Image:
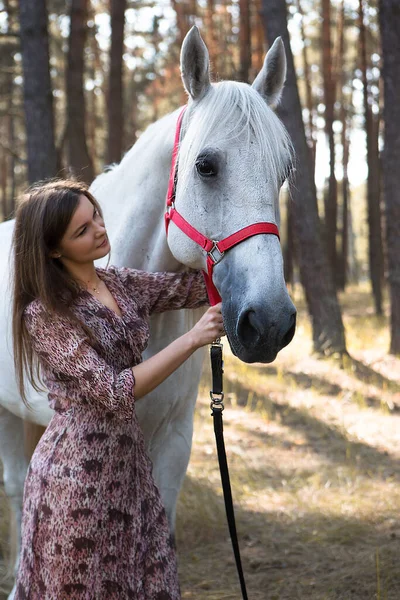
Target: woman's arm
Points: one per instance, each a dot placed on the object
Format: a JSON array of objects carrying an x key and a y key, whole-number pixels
[
  {"x": 162, "y": 291},
  {"x": 150, "y": 373}
]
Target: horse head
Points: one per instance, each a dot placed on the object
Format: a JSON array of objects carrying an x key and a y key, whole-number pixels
[{"x": 234, "y": 155}]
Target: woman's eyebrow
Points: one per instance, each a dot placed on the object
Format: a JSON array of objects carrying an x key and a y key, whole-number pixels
[{"x": 80, "y": 226}]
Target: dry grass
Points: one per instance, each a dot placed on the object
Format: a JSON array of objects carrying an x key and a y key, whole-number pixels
[{"x": 313, "y": 447}]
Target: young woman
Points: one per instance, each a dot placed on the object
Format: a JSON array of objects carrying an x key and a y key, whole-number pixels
[{"x": 94, "y": 526}]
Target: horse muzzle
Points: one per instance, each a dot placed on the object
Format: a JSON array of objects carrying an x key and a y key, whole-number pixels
[{"x": 257, "y": 333}]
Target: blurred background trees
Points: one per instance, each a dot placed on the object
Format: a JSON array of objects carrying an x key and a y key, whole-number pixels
[{"x": 80, "y": 80}]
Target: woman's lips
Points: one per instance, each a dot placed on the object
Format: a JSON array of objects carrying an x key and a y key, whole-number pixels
[{"x": 103, "y": 243}]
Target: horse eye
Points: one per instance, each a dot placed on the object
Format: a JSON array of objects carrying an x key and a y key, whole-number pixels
[{"x": 206, "y": 168}]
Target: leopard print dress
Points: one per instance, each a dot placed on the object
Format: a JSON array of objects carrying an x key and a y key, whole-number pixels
[{"x": 94, "y": 527}]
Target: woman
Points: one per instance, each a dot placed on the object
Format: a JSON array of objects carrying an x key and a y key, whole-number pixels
[{"x": 94, "y": 526}]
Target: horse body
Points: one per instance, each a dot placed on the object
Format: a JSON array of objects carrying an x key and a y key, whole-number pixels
[{"x": 229, "y": 129}]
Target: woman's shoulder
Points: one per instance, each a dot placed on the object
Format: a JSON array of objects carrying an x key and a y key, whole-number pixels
[
  {"x": 121, "y": 273},
  {"x": 34, "y": 307}
]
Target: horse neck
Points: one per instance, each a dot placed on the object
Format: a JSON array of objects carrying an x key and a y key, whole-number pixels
[{"x": 132, "y": 196}]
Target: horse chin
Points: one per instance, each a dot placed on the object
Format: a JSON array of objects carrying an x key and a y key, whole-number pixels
[{"x": 252, "y": 355}]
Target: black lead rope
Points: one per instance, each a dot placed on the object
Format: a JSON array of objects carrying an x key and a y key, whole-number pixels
[{"x": 217, "y": 406}]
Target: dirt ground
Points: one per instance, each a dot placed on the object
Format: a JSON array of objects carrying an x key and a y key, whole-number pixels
[{"x": 313, "y": 448}]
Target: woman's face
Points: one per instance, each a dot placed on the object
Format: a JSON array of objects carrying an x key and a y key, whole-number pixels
[{"x": 85, "y": 233}]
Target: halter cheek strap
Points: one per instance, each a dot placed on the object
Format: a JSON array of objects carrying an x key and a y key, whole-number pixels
[{"x": 215, "y": 249}]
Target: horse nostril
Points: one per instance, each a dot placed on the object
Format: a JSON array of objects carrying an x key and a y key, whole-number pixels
[{"x": 249, "y": 329}]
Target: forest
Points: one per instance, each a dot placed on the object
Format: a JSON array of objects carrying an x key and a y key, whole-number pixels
[{"x": 312, "y": 439}]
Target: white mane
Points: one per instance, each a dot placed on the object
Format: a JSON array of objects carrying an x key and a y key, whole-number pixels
[{"x": 214, "y": 113}]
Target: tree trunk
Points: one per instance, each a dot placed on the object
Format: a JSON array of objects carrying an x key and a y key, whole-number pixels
[
  {"x": 375, "y": 248},
  {"x": 259, "y": 50},
  {"x": 289, "y": 248},
  {"x": 244, "y": 40},
  {"x": 212, "y": 43},
  {"x": 329, "y": 98},
  {"x": 79, "y": 160},
  {"x": 115, "y": 89},
  {"x": 320, "y": 291},
  {"x": 307, "y": 80},
  {"x": 340, "y": 80},
  {"x": 389, "y": 16},
  {"x": 38, "y": 99}
]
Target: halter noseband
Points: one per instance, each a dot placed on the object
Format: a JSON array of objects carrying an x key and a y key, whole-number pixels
[{"x": 215, "y": 249}]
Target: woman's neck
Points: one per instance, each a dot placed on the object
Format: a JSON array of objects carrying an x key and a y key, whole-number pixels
[{"x": 84, "y": 274}]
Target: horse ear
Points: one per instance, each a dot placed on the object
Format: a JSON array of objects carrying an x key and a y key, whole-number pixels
[
  {"x": 269, "y": 82},
  {"x": 195, "y": 64}
]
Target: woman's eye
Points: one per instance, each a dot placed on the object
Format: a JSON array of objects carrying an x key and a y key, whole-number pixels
[{"x": 83, "y": 231}]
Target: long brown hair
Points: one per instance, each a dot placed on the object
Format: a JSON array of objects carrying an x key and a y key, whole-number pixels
[{"x": 41, "y": 219}]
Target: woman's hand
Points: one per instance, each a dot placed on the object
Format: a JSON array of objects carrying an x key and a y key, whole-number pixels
[
  {"x": 153, "y": 371},
  {"x": 209, "y": 327}
]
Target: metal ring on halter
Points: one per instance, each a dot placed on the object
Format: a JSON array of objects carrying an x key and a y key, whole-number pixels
[{"x": 216, "y": 258}]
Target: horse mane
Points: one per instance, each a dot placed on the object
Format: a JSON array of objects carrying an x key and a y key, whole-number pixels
[{"x": 231, "y": 109}]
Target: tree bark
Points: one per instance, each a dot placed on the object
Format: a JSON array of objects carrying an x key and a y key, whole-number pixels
[
  {"x": 289, "y": 250},
  {"x": 79, "y": 160},
  {"x": 259, "y": 50},
  {"x": 320, "y": 291},
  {"x": 212, "y": 43},
  {"x": 244, "y": 40},
  {"x": 8, "y": 93},
  {"x": 307, "y": 80},
  {"x": 389, "y": 17},
  {"x": 375, "y": 246},
  {"x": 329, "y": 98},
  {"x": 340, "y": 80},
  {"x": 38, "y": 98},
  {"x": 115, "y": 88}
]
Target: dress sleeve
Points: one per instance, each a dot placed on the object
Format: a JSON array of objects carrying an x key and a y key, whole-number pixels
[
  {"x": 164, "y": 291},
  {"x": 66, "y": 352}
]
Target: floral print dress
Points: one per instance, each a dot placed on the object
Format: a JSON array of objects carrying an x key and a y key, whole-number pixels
[{"x": 94, "y": 527}]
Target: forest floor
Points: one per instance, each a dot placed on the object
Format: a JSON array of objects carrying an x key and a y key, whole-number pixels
[{"x": 313, "y": 448}]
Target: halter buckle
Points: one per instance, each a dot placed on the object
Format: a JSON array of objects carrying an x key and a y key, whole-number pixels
[{"x": 215, "y": 253}]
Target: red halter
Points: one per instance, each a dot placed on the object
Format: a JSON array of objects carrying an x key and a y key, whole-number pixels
[{"x": 215, "y": 249}]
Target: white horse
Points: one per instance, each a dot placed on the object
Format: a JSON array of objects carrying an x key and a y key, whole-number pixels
[{"x": 233, "y": 157}]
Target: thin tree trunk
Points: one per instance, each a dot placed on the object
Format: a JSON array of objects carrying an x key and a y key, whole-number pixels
[
  {"x": 9, "y": 121},
  {"x": 244, "y": 40},
  {"x": 3, "y": 179},
  {"x": 342, "y": 272},
  {"x": 259, "y": 50},
  {"x": 289, "y": 248},
  {"x": 340, "y": 78},
  {"x": 320, "y": 291},
  {"x": 115, "y": 89},
  {"x": 212, "y": 43},
  {"x": 329, "y": 95},
  {"x": 389, "y": 16},
  {"x": 38, "y": 99},
  {"x": 375, "y": 248},
  {"x": 307, "y": 79},
  {"x": 79, "y": 160}
]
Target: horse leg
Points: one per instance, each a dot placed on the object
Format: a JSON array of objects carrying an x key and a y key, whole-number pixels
[{"x": 12, "y": 455}]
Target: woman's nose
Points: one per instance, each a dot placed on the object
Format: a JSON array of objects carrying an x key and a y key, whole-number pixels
[{"x": 100, "y": 229}]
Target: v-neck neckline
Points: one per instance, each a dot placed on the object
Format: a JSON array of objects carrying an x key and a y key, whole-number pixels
[{"x": 112, "y": 289}]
